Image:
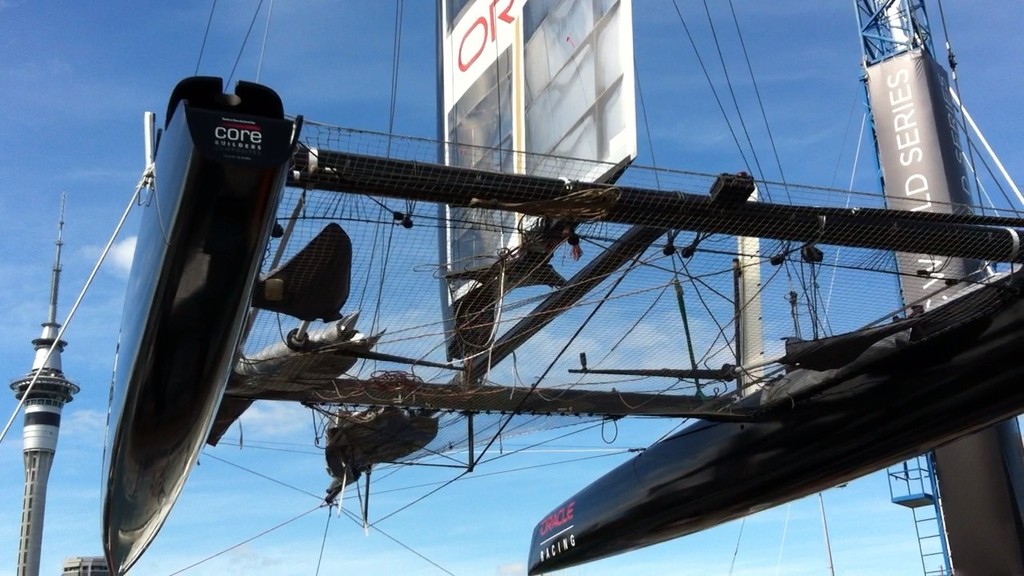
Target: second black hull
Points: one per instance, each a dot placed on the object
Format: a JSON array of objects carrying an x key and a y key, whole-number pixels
[{"x": 919, "y": 397}]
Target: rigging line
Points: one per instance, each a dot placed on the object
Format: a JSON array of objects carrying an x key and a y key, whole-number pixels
[
  {"x": 672, "y": 430},
  {"x": 578, "y": 305},
  {"x": 394, "y": 466},
  {"x": 794, "y": 312},
  {"x": 721, "y": 329},
  {"x": 244, "y": 542},
  {"x": 812, "y": 301},
  {"x": 377, "y": 231},
  {"x": 352, "y": 516},
  {"x": 263, "y": 50},
  {"x": 571, "y": 450},
  {"x": 517, "y": 470},
  {"x": 574, "y": 432},
  {"x": 681, "y": 303},
  {"x": 809, "y": 301},
  {"x": 782, "y": 545},
  {"x": 586, "y": 321},
  {"x": 961, "y": 123},
  {"x": 842, "y": 145},
  {"x": 249, "y": 445},
  {"x": 385, "y": 258},
  {"x": 757, "y": 294},
  {"x": 146, "y": 179},
  {"x": 264, "y": 476},
  {"x": 826, "y": 322},
  {"x": 395, "y": 59},
  {"x": 548, "y": 446},
  {"x": 323, "y": 542},
  {"x": 497, "y": 320},
  {"x": 853, "y": 175},
  {"x": 785, "y": 250},
  {"x": 421, "y": 498},
  {"x": 363, "y": 508},
  {"x": 647, "y": 124},
  {"x": 760, "y": 103},
  {"x": 599, "y": 304},
  {"x": 300, "y": 208},
  {"x": 518, "y": 381},
  {"x": 525, "y": 301},
  {"x": 991, "y": 153},
  {"x": 736, "y": 552},
  {"x": 707, "y": 274},
  {"x": 245, "y": 40},
  {"x": 991, "y": 175},
  {"x": 206, "y": 35},
  {"x": 732, "y": 94},
  {"x": 707, "y": 76},
  {"x": 983, "y": 195},
  {"x": 622, "y": 338}
]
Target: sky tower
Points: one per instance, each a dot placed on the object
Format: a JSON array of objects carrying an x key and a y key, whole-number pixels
[{"x": 44, "y": 391}]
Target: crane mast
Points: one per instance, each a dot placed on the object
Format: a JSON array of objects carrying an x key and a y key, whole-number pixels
[
  {"x": 978, "y": 521},
  {"x": 892, "y": 27}
]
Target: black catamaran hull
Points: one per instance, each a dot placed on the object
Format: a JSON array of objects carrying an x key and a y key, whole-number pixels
[
  {"x": 221, "y": 165},
  {"x": 965, "y": 378}
]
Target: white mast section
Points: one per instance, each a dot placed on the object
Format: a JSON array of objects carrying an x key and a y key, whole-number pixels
[{"x": 749, "y": 328}]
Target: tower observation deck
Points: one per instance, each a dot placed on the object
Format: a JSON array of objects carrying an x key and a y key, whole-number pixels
[{"x": 43, "y": 391}]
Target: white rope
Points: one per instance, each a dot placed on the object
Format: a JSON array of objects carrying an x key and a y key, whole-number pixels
[
  {"x": 984, "y": 142},
  {"x": 736, "y": 552},
  {"x": 145, "y": 181},
  {"x": 782, "y": 545},
  {"x": 263, "y": 49},
  {"x": 849, "y": 194}
]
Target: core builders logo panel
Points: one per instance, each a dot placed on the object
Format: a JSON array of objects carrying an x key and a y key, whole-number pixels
[
  {"x": 241, "y": 139},
  {"x": 238, "y": 136}
]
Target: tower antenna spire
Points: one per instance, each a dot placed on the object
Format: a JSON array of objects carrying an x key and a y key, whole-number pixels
[{"x": 55, "y": 278}]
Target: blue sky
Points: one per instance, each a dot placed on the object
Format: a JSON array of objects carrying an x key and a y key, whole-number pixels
[{"x": 75, "y": 79}]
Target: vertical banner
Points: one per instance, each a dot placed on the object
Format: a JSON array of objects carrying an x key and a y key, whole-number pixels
[{"x": 922, "y": 162}]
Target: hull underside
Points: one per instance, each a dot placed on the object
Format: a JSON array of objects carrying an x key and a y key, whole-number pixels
[
  {"x": 220, "y": 169},
  {"x": 956, "y": 374}
]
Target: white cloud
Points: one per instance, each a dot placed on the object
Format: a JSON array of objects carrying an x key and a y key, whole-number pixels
[
  {"x": 10, "y": 4},
  {"x": 119, "y": 258},
  {"x": 514, "y": 569},
  {"x": 121, "y": 255},
  {"x": 266, "y": 420},
  {"x": 85, "y": 423}
]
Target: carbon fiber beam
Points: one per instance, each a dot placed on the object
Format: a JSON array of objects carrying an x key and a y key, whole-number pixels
[{"x": 956, "y": 235}]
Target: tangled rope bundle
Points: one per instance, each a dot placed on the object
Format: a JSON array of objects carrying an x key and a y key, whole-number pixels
[{"x": 578, "y": 205}]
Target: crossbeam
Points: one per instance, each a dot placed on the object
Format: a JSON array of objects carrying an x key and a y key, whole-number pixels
[{"x": 989, "y": 238}]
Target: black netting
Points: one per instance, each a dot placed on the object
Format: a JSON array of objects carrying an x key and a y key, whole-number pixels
[{"x": 638, "y": 275}]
